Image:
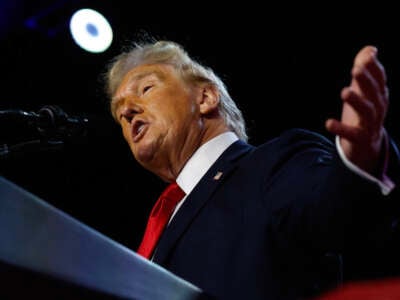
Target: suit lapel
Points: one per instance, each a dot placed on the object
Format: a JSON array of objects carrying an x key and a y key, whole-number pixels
[{"x": 198, "y": 198}]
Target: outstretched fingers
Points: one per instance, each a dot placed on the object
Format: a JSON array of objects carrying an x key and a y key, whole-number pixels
[{"x": 368, "y": 90}]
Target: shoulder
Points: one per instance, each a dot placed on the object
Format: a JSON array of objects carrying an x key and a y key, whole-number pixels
[
  {"x": 296, "y": 142},
  {"x": 298, "y": 138}
]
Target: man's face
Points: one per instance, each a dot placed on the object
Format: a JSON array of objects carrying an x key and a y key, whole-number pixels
[{"x": 160, "y": 118}]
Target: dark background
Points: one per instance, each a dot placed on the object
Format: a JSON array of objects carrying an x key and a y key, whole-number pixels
[{"x": 285, "y": 67}]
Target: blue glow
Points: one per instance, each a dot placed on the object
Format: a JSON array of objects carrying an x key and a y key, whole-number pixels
[{"x": 92, "y": 29}]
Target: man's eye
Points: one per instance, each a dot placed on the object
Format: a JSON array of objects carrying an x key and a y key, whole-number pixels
[{"x": 146, "y": 88}]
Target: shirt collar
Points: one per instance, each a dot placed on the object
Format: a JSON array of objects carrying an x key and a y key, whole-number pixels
[{"x": 202, "y": 160}]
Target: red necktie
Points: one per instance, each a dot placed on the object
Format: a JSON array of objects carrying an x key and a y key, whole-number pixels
[{"x": 159, "y": 217}]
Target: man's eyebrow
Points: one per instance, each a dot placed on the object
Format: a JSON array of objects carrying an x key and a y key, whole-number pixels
[{"x": 144, "y": 74}]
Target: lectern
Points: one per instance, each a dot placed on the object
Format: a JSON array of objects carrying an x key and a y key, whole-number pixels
[{"x": 47, "y": 254}]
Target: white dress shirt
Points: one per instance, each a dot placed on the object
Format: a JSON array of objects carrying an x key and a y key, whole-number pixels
[
  {"x": 386, "y": 184},
  {"x": 201, "y": 161}
]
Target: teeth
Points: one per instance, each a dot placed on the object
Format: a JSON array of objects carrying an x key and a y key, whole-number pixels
[{"x": 140, "y": 129}]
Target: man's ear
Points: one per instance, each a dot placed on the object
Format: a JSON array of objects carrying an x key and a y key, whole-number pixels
[{"x": 209, "y": 99}]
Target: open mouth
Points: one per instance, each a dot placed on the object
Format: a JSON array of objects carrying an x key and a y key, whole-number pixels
[{"x": 138, "y": 129}]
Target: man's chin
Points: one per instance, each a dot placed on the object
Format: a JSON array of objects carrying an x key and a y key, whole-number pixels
[{"x": 144, "y": 154}]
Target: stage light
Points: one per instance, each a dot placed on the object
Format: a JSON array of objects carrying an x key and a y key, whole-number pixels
[{"x": 90, "y": 30}]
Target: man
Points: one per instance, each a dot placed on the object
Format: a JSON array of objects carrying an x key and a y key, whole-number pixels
[{"x": 255, "y": 221}]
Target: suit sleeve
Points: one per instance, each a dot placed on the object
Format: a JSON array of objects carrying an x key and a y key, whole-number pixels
[{"x": 323, "y": 205}]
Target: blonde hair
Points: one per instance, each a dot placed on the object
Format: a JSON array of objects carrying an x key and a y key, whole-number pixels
[{"x": 171, "y": 53}]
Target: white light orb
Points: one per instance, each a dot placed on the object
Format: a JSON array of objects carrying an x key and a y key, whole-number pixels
[{"x": 90, "y": 30}]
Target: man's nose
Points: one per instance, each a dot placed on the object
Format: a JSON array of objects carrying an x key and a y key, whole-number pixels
[{"x": 130, "y": 109}]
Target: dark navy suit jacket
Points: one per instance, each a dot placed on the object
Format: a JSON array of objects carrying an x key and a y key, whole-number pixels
[{"x": 259, "y": 230}]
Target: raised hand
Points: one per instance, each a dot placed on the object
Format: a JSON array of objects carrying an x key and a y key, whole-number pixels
[{"x": 365, "y": 104}]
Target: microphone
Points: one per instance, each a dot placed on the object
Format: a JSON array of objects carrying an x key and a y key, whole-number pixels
[
  {"x": 45, "y": 130},
  {"x": 50, "y": 121},
  {"x": 53, "y": 122}
]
